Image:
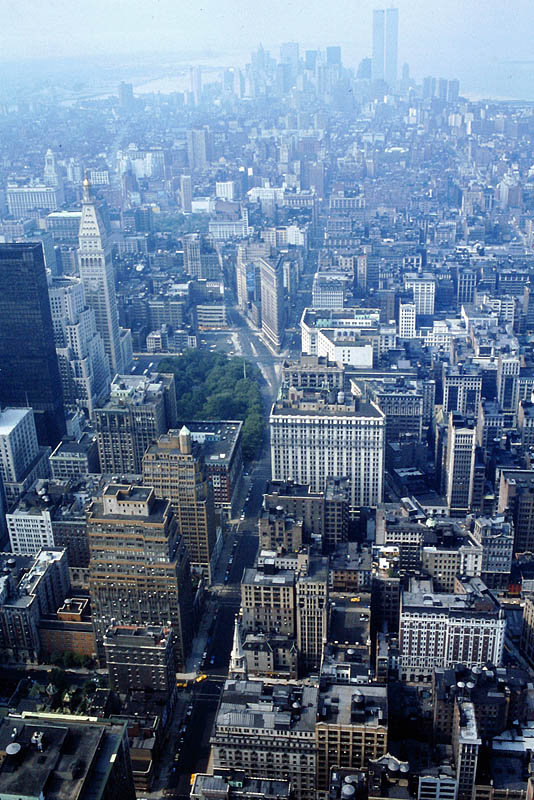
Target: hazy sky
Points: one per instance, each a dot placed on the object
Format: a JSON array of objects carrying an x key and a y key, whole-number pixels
[{"x": 447, "y": 37}]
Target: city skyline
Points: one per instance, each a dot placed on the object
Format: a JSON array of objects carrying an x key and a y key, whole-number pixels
[{"x": 487, "y": 49}]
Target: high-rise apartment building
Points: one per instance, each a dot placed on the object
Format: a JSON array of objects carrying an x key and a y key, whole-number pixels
[
  {"x": 462, "y": 388},
  {"x": 465, "y": 744},
  {"x": 96, "y": 272},
  {"x": 508, "y": 367},
  {"x": 201, "y": 259},
  {"x": 29, "y": 375},
  {"x": 273, "y": 306},
  {"x": 496, "y": 537},
  {"x": 407, "y": 314},
  {"x": 318, "y": 434},
  {"x": 139, "y": 566},
  {"x": 175, "y": 468},
  {"x": 248, "y": 274},
  {"x": 129, "y": 422},
  {"x": 83, "y": 365}
]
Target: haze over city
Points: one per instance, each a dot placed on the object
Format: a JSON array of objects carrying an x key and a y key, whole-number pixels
[
  {"x": 485, "y": 44},
  {"x": 266, "y": 400}
]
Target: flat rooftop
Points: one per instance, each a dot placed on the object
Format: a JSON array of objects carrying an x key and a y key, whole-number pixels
[
  {"x": 217, "y": 438},
  {"x": 283, "y": 577},
  {"x": 269, "y": 708},
  {"x": 66, "y": 760},
  {"x": 10, "y": 418},
  {"x": 363, "y": 410}
]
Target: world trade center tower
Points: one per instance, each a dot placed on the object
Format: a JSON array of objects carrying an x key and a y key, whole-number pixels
[{"x": 385, "y": 45}]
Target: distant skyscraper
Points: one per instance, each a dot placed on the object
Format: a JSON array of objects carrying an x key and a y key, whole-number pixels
[
  {"x": 333, "y": 56},
  {"x": 126, "y": 96},
  {"x": 199, "y": 148},
  {"x": 379, "y": 25},
  {"x": 195, "y": 76},
  {"x": 50, "y": 174},
  {"x": 186, "y": 193},
  {"x": 29, "y": 374},
  {"x": 392, "y": 40},
  {"x": 385, "y": 45},
  {"x": 289, "y": 53},
  {"x": 96, "y": 272}
]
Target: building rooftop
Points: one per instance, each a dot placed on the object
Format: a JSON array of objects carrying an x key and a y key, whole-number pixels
[
  {"x": 217, "y": 439},
  {"x": 58, "y": 757},
  {"x": 341, "y": 704},
  {"x": 475, "y": 599},
  {"x": 267, "y": 708},
  {"x": 10, "y": 418},
  {"x": 313, "y": 402},
  {"x": 256, "y": 577}
]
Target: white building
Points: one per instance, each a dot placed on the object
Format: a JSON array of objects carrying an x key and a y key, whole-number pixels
[
  {"x": 442, "y": 630},
  {"x": 18, "y": 443},
  {"x": 345, "y": 322},
  {"x": 315, "y": 435},
  {"x": 29, "y": 527},
  {"x": 329, "y": 290},
  {"x": 407, "y": 313},
  {"x": 22, "y": 461},
  {"x": 225, "y": 189},
  {"x": 423, "y": 286},
  {"x": 82, "y": 361},
  {"x": 349, "y": 349},
  {"x": 96, "y": 272},
  {"x": 22, "y": 199}
]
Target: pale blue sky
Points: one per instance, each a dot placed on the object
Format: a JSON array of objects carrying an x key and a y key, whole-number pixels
[{"x": 449, "y": 37}]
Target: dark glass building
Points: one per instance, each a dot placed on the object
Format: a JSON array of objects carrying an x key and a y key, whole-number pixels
[{"x": 29, "y": 374}]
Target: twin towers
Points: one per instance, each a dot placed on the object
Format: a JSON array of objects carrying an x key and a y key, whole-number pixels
[{"x": 385, "y": 45}]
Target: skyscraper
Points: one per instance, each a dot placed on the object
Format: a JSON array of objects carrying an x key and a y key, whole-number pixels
[
  {"x": 186, "y": 193},
  {"x": 29, "y": 374},
  {"x": 273, "y": 306},
  {"x": 83, "y": 365},
  {"x": 96, "y": 272},
  {"x": 379, "y": 26},
  {"x": 460, "y": 465},
  {"x": 318, "y": 434},
  {"x": 392, "y": 39},
  {"x": 129, "y": 525},
  {"x": 385, "y": 45},
  {"x": 174, "y": 466}
]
